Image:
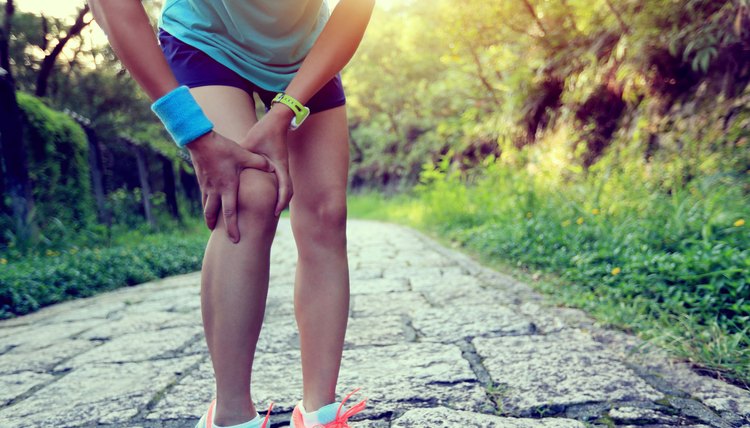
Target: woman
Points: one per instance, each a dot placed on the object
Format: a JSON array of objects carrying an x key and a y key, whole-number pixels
[{"x": 289, "y": 52}]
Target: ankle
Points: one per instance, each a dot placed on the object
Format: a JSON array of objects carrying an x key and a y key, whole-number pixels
[
  {"x": 227, "y": 416},
  {"x": 314, "y": 405}
]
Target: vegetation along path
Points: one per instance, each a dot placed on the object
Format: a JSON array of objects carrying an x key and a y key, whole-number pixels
[{"x": 433, "y": 336}]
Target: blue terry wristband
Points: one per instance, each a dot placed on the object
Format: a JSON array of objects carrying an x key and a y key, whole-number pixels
[{"x": 182, "y": 116}]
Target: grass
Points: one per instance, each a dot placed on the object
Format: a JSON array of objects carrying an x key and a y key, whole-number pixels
[{"x": 672, "y": 267}]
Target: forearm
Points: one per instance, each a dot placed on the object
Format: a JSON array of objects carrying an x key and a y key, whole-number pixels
[
  {"x": 333, "y": 49},
  {"x": 130, "y": 34}
]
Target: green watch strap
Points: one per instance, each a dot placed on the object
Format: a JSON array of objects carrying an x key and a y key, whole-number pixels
[{"x": 300, "y": 112}]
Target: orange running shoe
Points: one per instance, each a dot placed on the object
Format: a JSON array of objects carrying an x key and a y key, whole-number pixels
[
  {"x": 207, "y": 420},
  {"x": 340, "y": 420}
]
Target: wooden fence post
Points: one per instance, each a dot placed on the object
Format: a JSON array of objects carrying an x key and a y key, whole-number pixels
[
  {"x": 169, "y": 186},
  {"x": 140, "y": 157},
  {"x": 95, "y": 167}
]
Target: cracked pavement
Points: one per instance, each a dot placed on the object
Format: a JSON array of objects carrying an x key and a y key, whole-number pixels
[{"x": 434, "y": 339}]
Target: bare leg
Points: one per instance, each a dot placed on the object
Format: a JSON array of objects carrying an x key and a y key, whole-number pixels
[
  {"x": 234, "y": 280},
  {"x": 318, "y": 163}
]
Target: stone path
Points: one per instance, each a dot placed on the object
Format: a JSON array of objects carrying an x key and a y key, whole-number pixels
[{"x": 434, "y": 339}]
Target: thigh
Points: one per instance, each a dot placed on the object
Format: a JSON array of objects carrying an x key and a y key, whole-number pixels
[
  {"x": 319, "y": 160},
  {"x": 230, "y": 109}
]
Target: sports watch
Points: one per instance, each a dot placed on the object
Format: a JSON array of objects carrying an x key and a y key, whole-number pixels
[{"x": 300, "y": 112}]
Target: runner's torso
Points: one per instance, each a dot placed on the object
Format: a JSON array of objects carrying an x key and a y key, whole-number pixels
[{"x": 264, "y": 41}]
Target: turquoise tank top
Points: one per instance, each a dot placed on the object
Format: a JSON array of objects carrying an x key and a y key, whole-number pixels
[{"x": 264, "y": 41}]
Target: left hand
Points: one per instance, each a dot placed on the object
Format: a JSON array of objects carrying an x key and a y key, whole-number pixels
[{"x": 268, "y": 138}]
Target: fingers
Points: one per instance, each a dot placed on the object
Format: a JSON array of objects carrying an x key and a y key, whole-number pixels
[
  {"x": 285, "y": 190},
  {"x": 229, "y": 209},
  {"x": 256, "y": 161},
  {"x": 211, "y": 210}
]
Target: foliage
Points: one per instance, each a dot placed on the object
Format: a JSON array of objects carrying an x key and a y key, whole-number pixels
[
  {"x": 471, "y": 77},
  {"x": 57, "y": 151},
  {"x": 34, "y": 282}
]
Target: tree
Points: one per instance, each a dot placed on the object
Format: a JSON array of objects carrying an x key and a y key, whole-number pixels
[{"x": 15, "y": 171}]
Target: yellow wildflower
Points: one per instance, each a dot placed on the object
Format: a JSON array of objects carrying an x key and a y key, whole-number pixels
[
  {"x": 616, "y": 271},
  {"x": 3, "y": 261},
  {"x": 595, "y": 211},
  {"x": 565, "y": 223},
  {"x": 740, "y": 222},
  {"x": 580, "y": 220}
]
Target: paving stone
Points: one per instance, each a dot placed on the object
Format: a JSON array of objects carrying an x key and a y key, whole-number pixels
[
  {"x": 444, "y": 417},
  {"x": 41, "y": 360},
  {"x": 557, "y": 370},
  {"x": 396, "y": 303},
  {"x": 96, "y": 393},
  {"x": 717, "y": 395},
  {"x": 362, "y": 273},
  {"x": 190, "y": 396},
  {"x": 379, "y": 286},
  {"x": 375, "y": 331},
  {"x": 454, "y": 323},
  {"x": 448, "y": 282},
  {"x": 93, "y": 311},
  {"x": 47, "y": 335},
  {"x": 136, "y": 347},
  {"x": 640, "y": 416},
  {"x": 392, "y": 377},
  {"x": 14, "y": 385},
  {"x": 155, "y": 321},
  {"x": 550, "y": 319},
  {"x": 465, "y": 295},
  {"x": 278, "y": 335},
  {"x": 410, "y": 272}
]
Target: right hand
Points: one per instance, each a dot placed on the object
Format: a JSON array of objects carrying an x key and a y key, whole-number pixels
[{"x": 218, "y": 162}]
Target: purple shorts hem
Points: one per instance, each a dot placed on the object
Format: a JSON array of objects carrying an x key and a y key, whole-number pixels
[{"x": 194, "y": 68}]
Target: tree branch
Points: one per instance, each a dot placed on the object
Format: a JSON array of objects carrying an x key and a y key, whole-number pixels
[
  {"x": 533, "y": 14},
  {"x": 617, "y": 14},
  {"x": 48, "y": 64}
]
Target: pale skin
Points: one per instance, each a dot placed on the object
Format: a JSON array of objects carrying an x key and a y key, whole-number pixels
[{"x": 245, "y": 168}]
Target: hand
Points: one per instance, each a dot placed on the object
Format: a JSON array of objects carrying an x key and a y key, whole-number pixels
[
  {"x": 268, "y": 138},
  {"x": 218, "y": 162}
]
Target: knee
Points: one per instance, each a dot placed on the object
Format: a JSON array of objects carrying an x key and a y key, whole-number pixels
[
  {"x": 324, "y": 216},
  {"x": 256, "y": 198}
]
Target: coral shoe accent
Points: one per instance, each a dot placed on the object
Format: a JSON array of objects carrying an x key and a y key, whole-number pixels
[{"x": 341, "y": 420}]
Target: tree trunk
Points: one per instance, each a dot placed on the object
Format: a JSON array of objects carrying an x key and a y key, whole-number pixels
[
  {"x": 169, "y": 187},
  {"x": 17, "y": 182},
  {"x": 48, "y": 64},
  {"x": 97, "y": 177},
  {"x": 5, "y": 40},
  {"x": 140, "y": 156}
]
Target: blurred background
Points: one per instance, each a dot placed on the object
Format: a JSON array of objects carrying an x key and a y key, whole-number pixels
[{"x": 596, "y": 149}]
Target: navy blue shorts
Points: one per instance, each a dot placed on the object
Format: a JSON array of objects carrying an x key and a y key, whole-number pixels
[{"x": 193, "y": 68}]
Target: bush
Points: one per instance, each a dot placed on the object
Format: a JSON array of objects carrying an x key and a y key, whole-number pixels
[
  {"x": 32, "y": 283},
  {"x": 57, "y": 151}
]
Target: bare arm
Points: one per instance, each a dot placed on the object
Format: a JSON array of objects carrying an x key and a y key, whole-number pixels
[
  {"x": 332, "y": 50},
  {"x": 218, "y": 161},
  {"x": 133, "y": 40}
]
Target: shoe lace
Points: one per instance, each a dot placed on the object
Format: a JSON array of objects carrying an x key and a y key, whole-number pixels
[
  {"x": 268, "y": 415},
  {"x": 342, "y": 419}
]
